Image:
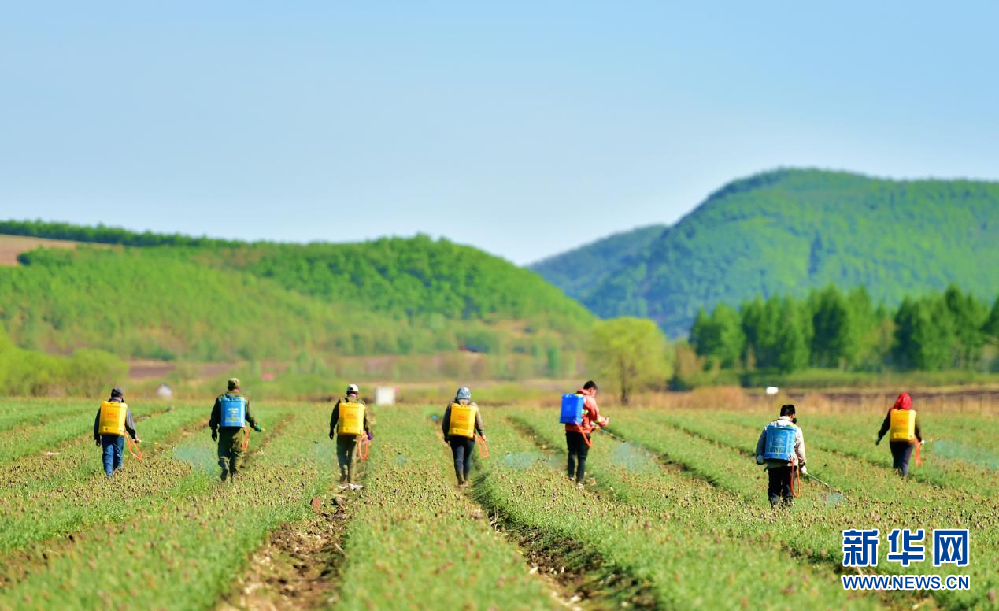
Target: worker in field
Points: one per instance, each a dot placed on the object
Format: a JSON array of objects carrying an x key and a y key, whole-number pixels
[
  {"x": 462, "y": 421},
  {"x": 781, "y": 448},
  {"x": 903, "y": 424},
  {"x": 113, "y": 421},
  {"x": 580, "y": 415},
  {"x": 230, "y": 416},
  {"x": 348, "y": 422}
]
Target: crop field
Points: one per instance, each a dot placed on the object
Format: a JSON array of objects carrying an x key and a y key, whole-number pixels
[{"x": 673, "y": 514}]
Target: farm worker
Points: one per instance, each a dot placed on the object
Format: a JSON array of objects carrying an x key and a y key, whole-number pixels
[
  {"x": 230, "y": 415},
  {"x": 578, "y": 436},
  {"x": 781, "y": 448},
  {"x": 348, "y": 422},
  {"x": 113, "y": 420},
  {"x": 901, "y": 420},
  {"x": 462, "y": 421}
]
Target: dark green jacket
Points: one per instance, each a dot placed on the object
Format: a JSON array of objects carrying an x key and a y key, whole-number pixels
[{"x": 216, "y": 419}]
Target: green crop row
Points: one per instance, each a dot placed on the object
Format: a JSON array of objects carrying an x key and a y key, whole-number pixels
[
  {"x": 663, "y": 548},
  {"x": 39, "y": 513},
  {"x": 81, "y": 459},
  {"x": 46, "y": 435},
  {"x": 722, "y": 454},
  {"x": 190, "y": 543},
  {"x": 969, "y": 429},
  {"x": 33, "y": 413},
  {"x": 960, "y": 443},
  {"x": 414, "y": 540},
  {"x": 852, "y": 439}
]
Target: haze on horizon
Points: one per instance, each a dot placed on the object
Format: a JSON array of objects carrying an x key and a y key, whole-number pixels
[{"x": 519, "y": 128}]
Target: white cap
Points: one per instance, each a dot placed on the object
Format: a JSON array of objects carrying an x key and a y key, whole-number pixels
[{"x": 351, "y": 388}]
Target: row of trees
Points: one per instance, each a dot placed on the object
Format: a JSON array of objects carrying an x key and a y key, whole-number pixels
[
  {"x": 102, "y": 234},
  {"x": 831, "y": 328}
]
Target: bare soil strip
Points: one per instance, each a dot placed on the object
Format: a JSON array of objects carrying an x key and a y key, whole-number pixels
[{"x": 297, "y": 566}]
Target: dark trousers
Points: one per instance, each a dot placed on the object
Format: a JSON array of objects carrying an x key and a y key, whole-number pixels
[
  {"x": 779, "y": 486},
  {"x": 578, "y": 449},
  {"x": 230, "y": 451},
  {"x": 345, "y": 446},
  {"x": 112, "y": 448},
  {"x": 461, "y": 451},
  {"x": 901, "y": 452}
]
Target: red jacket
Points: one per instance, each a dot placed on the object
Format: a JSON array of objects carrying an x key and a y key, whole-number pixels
[{"x": 591, "y": 416}]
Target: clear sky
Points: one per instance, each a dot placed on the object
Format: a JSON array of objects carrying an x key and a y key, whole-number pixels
[{"x": 525, "y": 128}]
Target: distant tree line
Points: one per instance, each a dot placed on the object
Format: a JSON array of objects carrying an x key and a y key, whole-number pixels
[
  {"x": 833, "y": 329},
  {"x": 102, "y": 234}
]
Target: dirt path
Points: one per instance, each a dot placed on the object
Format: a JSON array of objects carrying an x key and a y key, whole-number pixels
[{"x": 296, "y": 568}]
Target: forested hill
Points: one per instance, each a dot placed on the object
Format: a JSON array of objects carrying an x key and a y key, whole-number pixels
[
  {"x": 576, "y": 272},
  {"x": 789, "y": 230},
  {"x": 164, "y": 296}
]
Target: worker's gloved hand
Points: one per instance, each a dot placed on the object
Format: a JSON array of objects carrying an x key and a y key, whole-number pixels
[
  {"x": 877, "y": 441},
  {"x": 137, "y": 440},
  {"x": 258, "y": 429},
  {"x": 804, "y": 471},
  {"x": 97, "y": 442},
  {"x": 370, "y": 436},
  {"x": 759, "y": 460},
  {"x": 215, "y": 435},
  {"x": 332, "y": 434},
  {"x": 605, "y": 421},
  {"x": 483, "y": 437}
]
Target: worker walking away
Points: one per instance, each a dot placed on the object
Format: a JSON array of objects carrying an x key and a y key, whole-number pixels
[
  {"x": 580, "y": 415},
  {"x": 113, "y": 421},
  {"x": 902, "y": 422},
  {"x": 348, "y": 422},
  {"x": 462, "y": 421},
  {"x": 781, "y": 448},
  {"x": 230, "y": 416}
]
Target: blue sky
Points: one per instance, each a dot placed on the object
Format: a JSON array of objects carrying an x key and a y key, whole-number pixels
[{"x": 522, "y": 128}]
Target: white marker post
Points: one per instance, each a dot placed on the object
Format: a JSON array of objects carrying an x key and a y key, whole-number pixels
[{"x": 772, "y": 391}]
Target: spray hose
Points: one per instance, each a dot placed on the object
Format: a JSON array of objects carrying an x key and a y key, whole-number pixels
[
  {"x": 363, "y": 447},
  {"x": 133, "y": 449},
  {"x": 483, "y": 447},
  {"x": 795, "y": 475},
  {"x": 246, "y": 438},
  {"x": 919, "y": 461}
]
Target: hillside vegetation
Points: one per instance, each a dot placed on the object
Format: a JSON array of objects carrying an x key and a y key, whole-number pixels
[
  {"x": 174, "y": 297},
  {"x": 579, "y": 270},
  {"x": 786, "y": 231}
]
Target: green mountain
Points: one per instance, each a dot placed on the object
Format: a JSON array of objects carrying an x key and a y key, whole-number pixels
[
  {"x": 597, "y": 260},
  {"x": 789, "y": 230},
  {"x": 175, "y": 297}
]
